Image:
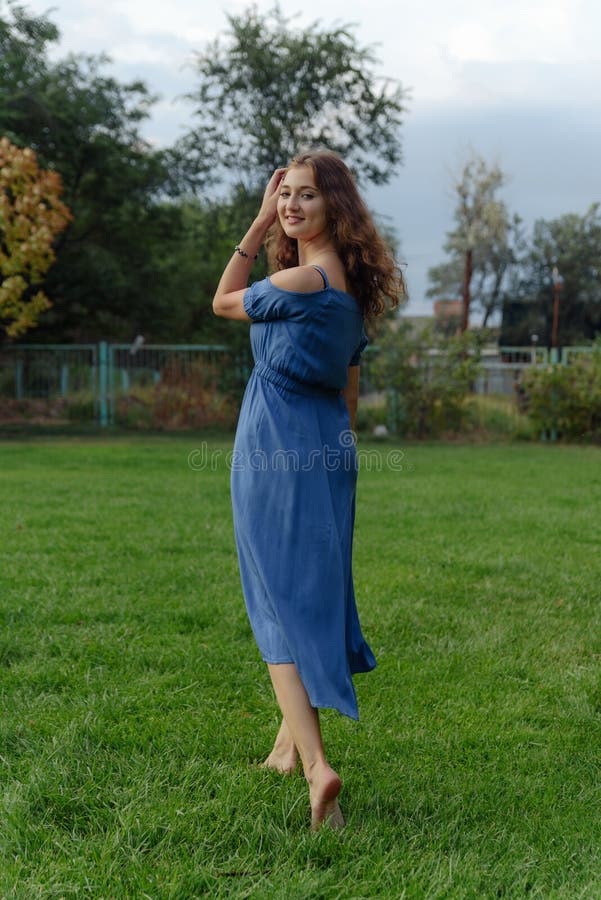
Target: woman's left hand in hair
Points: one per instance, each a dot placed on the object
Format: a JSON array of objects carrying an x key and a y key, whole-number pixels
[{"x": 269, "y": 207}]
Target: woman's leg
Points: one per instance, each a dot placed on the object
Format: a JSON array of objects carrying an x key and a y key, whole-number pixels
[
  {"x": 283, "y": 758},
  {"x": 303, "y": 722}
]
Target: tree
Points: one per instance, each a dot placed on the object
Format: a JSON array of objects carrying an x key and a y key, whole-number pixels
[
  {"x": 143, "y": 254},
  {"x": 481, "y": 246},
  {"x": 31, "y": 216},
  {"x": 332, "y": 98},
  {"x": 269, "y": 90},
  {"x": 572, "y": 243},
  {"x": 23, "y": 42},
  {"x": 114, "y": 264}
]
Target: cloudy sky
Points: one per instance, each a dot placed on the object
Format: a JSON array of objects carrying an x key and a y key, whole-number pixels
[{"x": 517, "y": 82}]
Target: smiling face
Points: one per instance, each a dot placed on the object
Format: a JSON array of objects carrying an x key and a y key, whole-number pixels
[{"x": 301, "y": 206}]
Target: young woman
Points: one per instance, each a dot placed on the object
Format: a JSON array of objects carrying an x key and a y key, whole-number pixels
[{"x": 294, "y": 468}]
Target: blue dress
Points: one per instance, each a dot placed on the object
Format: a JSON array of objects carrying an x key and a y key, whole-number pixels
[{"x": 293, "y": 478}]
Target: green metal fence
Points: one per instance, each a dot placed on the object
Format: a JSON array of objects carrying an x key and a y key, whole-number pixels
[
  {"x": 174, "y": 385},
  {"x": 570, "y": 353},
  {"x": 501, "y": 368},
  {"x": 170, "y": 385},
  {"x": 41, "y": 377},
  {"x": 96, "y": 382}
]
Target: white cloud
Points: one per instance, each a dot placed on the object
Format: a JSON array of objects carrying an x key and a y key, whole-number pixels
[
  {"x": 142, "y": 52},
  {"x": 514, "y": 32},
  {"x": 194, "y": 23},
  {"x": 471, "y": 41},
  {"x": 422, "y": 43}
]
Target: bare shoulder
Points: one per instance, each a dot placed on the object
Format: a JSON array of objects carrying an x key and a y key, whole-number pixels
[{"x": 304, "y": 279}]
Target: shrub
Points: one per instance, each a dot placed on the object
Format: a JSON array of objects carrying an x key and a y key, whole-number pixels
[
  {"x": 566, "y": 400},
  {"x": 428, "y": 379},
  {"x": 185, "y": 397},
  {"x": 80, "y": 406},
  {"x": 370, "y": 414},
  {"x": 497, "y": 416},
  {"x": 33, "y": 411}
]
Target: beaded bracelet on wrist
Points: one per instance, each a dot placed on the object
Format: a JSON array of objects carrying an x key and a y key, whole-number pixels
[{"x": 238, "y": 249}]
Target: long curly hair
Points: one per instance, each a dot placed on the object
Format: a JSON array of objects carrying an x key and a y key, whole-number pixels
[{"x": 372, "y": 272}]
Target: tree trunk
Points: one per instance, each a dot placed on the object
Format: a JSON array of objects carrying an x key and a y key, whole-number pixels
[{"x": 467, "y": 278}]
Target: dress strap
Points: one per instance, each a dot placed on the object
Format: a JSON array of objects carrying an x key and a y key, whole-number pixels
[{"x": 326, "y": 283}]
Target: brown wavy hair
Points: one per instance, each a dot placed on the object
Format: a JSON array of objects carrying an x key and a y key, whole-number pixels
[{"x": 373, "y": 275}]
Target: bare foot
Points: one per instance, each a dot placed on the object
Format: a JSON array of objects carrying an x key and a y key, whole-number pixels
[
  {"x": 281, "y": 761},
  {"x": 324, "y": 787},
  {"x": 284, "y": 757}
]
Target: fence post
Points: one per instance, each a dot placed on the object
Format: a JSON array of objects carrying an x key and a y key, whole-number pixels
[
  {"x": 94, "y": 382},
  {"x": 554, "y": 362},
  {"x": 102, "y": 383},
  {"x": 392, "y": 410},
  {"x": 111, "y": 382},
  {"x": 64, "y": 389},
  {"x": 19, "y": 379}
]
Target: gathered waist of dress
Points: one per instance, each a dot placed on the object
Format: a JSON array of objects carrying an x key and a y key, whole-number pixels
[{"x": 291, "y": 384}]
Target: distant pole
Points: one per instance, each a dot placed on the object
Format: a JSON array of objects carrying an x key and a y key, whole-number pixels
[
  {"x": 103, "y": 382},
  {"x": 554, "y": 344},
  {"x": 467, "y": 278},
  {"x": 556, "y": 290},
  {"x": 534, "y": 341}
]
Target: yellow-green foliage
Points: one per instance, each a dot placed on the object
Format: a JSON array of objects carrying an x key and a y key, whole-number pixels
[
  {"x": 567, "y": 399},
  {"x": 31, "y": 215}
]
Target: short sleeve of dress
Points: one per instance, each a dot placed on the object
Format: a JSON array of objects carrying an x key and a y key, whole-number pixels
[
  {"x": 356, "y": 357},
  {"x": 263, "y": 302}
]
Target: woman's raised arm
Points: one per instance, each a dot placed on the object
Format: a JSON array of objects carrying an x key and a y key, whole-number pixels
[{"x": 229, "y": 295}]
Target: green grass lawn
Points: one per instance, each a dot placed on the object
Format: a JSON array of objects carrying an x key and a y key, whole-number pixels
[{"x": 134, "y": 706}]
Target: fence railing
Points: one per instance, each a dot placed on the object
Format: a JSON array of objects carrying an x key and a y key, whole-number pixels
[
  {"x": 168, "y": 385},
  {"x": 39, "y": 374},
  {"x": 501, "y": 368},
  {"x": 131, "y": 370},
  {"x": 570, "y": 353},
  {"x": 532, "y": 355},
  {"x": 107, "y": 383}
]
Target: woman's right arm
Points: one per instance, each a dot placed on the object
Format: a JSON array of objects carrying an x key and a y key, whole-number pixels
[
  {"x": 228, "y": 299},
  {"x": 351, "y": 393}
]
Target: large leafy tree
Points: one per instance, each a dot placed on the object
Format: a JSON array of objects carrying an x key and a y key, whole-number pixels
[
  {"x": 114, "y": 263},
  {"x": 31, "y": 216},
  {"x": 142, "y": 255},
  {"x": 572, "y": 245},
  {"x": 481, "y": 246},
  {"x": 267, "y": 89}
]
